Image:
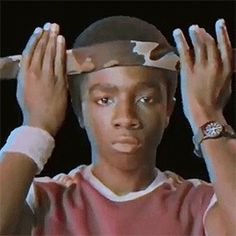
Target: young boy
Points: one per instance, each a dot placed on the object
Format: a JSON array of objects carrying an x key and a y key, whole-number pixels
[{"x": 122, "y": 90}]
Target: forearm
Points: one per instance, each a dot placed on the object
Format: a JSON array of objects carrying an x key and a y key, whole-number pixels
[
  {"x": 206, "y": 74},
  {"x": 42, "y": 96},
  {"x": 220, "y": 157},
  {"x": 16, "y": 175}
]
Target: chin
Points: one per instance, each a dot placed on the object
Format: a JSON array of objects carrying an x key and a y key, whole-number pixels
[{"x": 127, "y": 161}]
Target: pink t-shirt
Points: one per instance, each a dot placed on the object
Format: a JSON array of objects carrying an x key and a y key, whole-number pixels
[{"x": 79, "y": 204}]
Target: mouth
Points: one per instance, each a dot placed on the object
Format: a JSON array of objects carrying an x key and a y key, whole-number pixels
[{"x": 126, "y": 144}]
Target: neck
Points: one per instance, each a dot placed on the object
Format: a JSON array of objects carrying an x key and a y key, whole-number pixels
[{"x": 122, "y": 180}]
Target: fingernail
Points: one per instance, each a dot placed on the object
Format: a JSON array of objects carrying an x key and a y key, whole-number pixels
[
  {"x": 193, "y": 27},
  {"x": 37, "y": 30},
  {"x": 221, "y": 22},
  {"x": 60, "y": 39},
  {"x": 54, "y": 27},
  {"x": 177, "y": 32},
  {"x": 47, "y": 26}
]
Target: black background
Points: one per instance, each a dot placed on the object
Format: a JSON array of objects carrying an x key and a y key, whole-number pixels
[{"x": 18, "y": 20}]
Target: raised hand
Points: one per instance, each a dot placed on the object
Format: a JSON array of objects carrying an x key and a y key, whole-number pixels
[
  {"x": 205, "y": 72},
  {"x": 42, "y": 83}
]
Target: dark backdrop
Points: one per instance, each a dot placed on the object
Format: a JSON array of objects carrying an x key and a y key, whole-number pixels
[{"x": 18, "y": 20}]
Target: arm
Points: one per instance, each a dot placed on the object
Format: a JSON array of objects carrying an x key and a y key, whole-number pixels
[
  {"x": 205, "y": 88},
  {"x": 17, "y": 173},
  {"x": 42, "y": 96}
]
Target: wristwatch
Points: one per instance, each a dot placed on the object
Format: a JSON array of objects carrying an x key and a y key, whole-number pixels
[{"x": 211, "y": 130}]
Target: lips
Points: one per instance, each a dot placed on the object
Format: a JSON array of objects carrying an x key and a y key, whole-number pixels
[{"x": 126, "y": 144}]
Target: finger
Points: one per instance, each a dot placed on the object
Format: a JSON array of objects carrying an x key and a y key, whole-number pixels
[
  {"x": 60, "y": 61},
  {"x": 224, "y": 44},
  {"x": 40, "y": 48},
  {"x": 213, "y": 55},
  {"x": 195, "y": 34},
  {"x": 50, "y": 52},
  {"x": 30, "y": 46},
  {"x": 221, "y": 24},
  {"x": 183, "y": 48}
]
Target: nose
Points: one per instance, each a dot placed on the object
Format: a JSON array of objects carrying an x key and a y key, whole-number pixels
[{"x": 125, "y": 116}]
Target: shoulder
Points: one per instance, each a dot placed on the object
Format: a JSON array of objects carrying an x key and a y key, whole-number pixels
[
  {"x": 195, "y": 194},
  {"x": 177, "y": 181},
  {"x": 61, "y": 179},
  {"x": 46, "y": 189},
  {"x": 190, "y": 200}
]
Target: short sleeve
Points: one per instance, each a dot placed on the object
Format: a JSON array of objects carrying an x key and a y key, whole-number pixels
[{"x": 211, "y": 204}]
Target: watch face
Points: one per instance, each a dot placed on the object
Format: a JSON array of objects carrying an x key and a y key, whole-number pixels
[{"x": 213, "y": 129}]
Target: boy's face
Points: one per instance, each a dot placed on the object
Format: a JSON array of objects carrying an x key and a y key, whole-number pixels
[{"x": 125, "y": 111}]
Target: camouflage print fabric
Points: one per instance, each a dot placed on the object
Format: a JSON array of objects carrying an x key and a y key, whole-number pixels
[
  {"x": 109, "y": 42},
  {"x": 107, "y": 54},
  {"x": 121, "y": 53}
]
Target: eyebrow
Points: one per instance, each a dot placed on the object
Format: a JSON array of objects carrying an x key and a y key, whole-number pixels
[
  {"x": 148, "y": 85},
  {"x": 112, "y": 88},
  {"x": 103, "y": 87}
]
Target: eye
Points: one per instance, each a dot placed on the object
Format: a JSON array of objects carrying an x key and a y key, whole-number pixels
[
  {"x": 146, "y": 100},
  {"x": 104, "y": 101}
]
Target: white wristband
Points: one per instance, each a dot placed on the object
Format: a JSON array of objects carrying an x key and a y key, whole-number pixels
[{"x": 34, "y": 142}]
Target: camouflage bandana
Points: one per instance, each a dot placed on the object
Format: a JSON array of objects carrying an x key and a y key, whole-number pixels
[
  {"x": 104, "y": 55},
  {"x": 121, "y": 53}
]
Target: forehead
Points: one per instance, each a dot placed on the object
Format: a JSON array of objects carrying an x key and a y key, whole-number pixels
[{"x": 127, "y": 76}]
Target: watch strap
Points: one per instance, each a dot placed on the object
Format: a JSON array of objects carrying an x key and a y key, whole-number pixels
[{"x": 227, "y": 131}]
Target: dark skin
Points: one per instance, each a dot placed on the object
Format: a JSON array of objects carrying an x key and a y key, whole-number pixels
[
  {"x": 42, "y": 83},
  {"x": 130, "y": 108}
]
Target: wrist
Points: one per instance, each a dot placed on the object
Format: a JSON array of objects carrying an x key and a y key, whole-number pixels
[
  {"x": 211, "y": 130},
  {"x": 33, "y": 142},
  {"x": 199, "y": 117},
  {"x": 41, "y": 125}
]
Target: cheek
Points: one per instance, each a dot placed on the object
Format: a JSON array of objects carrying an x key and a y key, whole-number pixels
[
  {"x": 154, "y": 121},
  {"x": 96, "y": 121},
  {"x": 154, "y": 116}
]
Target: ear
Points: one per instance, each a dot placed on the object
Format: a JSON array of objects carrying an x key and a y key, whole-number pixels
[
  {"x": 170, "y": 109},
  {"x": 79, "y": 115},
  {"x": 81, "y": 120}
]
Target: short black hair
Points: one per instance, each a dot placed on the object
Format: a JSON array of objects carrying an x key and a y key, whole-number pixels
[{"x": 119, "y": 28}]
